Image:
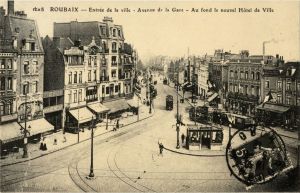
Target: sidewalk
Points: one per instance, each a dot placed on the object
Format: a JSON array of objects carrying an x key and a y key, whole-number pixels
[{"x": 71, "y": 139}]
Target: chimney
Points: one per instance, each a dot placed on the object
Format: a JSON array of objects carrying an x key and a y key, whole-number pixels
[{"x": 11, "y": 7}]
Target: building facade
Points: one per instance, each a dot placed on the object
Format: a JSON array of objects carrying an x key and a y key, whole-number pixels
[
  {"x": 96, "y": 67},
  {"x": 281, "y": 81},
  {"x": 22, "y": 76}
]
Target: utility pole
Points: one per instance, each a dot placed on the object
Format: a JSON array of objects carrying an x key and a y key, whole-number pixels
[{"x": 78, "y": 130}]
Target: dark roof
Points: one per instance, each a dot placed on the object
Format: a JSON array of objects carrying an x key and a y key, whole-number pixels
[
  {"x": 290, "y": 69},
  {"x": 26, "y": 28}
]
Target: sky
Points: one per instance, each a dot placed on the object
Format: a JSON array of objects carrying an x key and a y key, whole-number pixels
[{"x": 173, "y": 33}]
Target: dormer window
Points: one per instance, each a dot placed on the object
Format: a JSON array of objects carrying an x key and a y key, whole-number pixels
[{"x": 32, "y": 46}]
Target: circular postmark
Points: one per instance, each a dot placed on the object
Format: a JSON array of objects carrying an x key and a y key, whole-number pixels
[{"x": 256, "y": 155}]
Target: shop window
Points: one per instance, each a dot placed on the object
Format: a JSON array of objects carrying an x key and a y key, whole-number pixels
[{"x": 107, "y": 90}]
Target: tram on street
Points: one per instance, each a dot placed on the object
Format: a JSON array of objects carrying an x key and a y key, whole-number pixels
[{"x": 169, "y": 102}]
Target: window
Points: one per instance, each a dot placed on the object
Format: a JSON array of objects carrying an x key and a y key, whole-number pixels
[
  {"x": 119, "y": 32},
  {"x": 267, "y": 84},
  {"x": 116, "y": 88},
  {"x": 2, "y": 66},
  {"x": 257, "y": 76},
  {"x": 90, "y": 61},
  {"x": 9, "y": 83},
  {"x": 114, "y": 46},
  {"x": 32, "y": 46},
  {"x": 103, "y": 89},
  {"x": 89, "y": 75},
  {"x": 114, "y": 32},
  {"x": 279, "y": 85},
  {"x": 2, "y": 108},
  {"x": 288, "y": 86},
  {"x": 103, "y": 61},
  {"x": 95, "y": 75},
  {"x": 298, "y": 87},
  {"x": 246, "y": 90},
  {"x": 35, "y": 68},
  {"x": 252, "y": 75},
  {"x": 75, "y": 77},
  {"x": 241, "y": 88},
  {"x": 9, "y": 108},
  {"x": 246, "y": 75},
  {"x": 231, "y": 74},
  {"x": 26, "y": 67},
  {"x": 36, "y": 86},
  {"x": 103, "y": 30},
  {"x": 235, "y": 88},
  {"x": 25, "y": 88},
  {"x": 288, "y": 101},
  {"x": 80, "y": 77},
  {"x": 107, "y": 90},
  {"x": 70, "y": 77},
  {"x": 279, "y": 98},
  {"x": 252, "y": 90},
  {"x": 95, "y": 61},
  {"x": 236, "y": 74},
  {"x": 79, "y": 95},
  {"x": 113, "y": 60},
  {"x": 9, "y": 64},
  {"x": 257, "y": 91},
  {"x": 242, "y": 75},
  {"x": 2, "y": 83},
  {"x": 114, "y": 73},
  {"x": 75, "y": 96}
]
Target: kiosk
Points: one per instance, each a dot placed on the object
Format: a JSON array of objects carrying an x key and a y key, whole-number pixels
[{"x": 205, "y": 137}]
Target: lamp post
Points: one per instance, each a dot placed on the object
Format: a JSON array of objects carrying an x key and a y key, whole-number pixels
[
  {"x": 92, "y": 175},
  {"x": 25, "y": 150},
  {"x": 177, "y": 116}
]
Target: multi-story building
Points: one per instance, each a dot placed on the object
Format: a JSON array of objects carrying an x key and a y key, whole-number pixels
[
  {"x": 203, "y": 77},
  {"x": 244, "y": 78},
  {"x": 281, "y": 81},
  {"x": 22, "y": 67},
  {"x": 94, "y": 65}
]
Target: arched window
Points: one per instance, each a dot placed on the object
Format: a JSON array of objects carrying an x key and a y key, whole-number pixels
[
  {"x": 114, "y": 46},
  {"x": 257, "y": 76}
]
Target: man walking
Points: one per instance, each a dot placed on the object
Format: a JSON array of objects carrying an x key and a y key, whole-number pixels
[
  {"x": 182, "y": 138},
  {"x": 161, "y": 148}
]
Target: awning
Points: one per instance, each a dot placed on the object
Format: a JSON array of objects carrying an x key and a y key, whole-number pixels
[
  {"x": 98, "y": 108},
  {"x": 10, "y": 132},
  {"x": 273, "y": 108},
  {"x": 38, "y": 126},
  {"x": 84, "y": 114},
  {"x": 117, "y": 105},
  {"x": 133, "y": 103},
  {"x": 212, "y": 97}
]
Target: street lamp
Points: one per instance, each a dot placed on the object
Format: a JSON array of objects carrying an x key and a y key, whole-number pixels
[{"x": 92, "y": 175}]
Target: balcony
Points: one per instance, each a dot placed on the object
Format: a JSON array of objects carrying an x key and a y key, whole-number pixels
[
  {"x": 104, "y": 78},
  {"x": 114, "y": 51},
  {"x": 121, "y": 51},
  {"x": 54, "y": 108},
  {"x": 106, "y": 50}
]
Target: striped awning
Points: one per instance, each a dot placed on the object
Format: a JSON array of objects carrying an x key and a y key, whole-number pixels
[{"x": 38, "y": 126}]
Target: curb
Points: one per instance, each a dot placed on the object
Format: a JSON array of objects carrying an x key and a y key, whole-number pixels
[
  {"x": 199, "y": 155},
  {"x": 33, "y": 158}
]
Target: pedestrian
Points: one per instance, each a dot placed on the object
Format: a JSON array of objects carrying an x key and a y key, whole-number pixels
[
  {"x": 182, "y": 138},
  {"x": 55, "y": 141},
  {"x": 161, "y": 148},
  {"x": 65, "y": 139},
  {"x": 117, "y": 124},
  {"x": 42, "y": 146}
]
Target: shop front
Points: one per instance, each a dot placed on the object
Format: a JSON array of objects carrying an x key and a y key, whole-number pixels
[
  {"x": 274, "y": 115},
  {"x": 99, "y": 110},
  {"x": 201, "y": 138},
  {"x": 117, "y": 107},
  {"x": 78, "y": 118}
]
